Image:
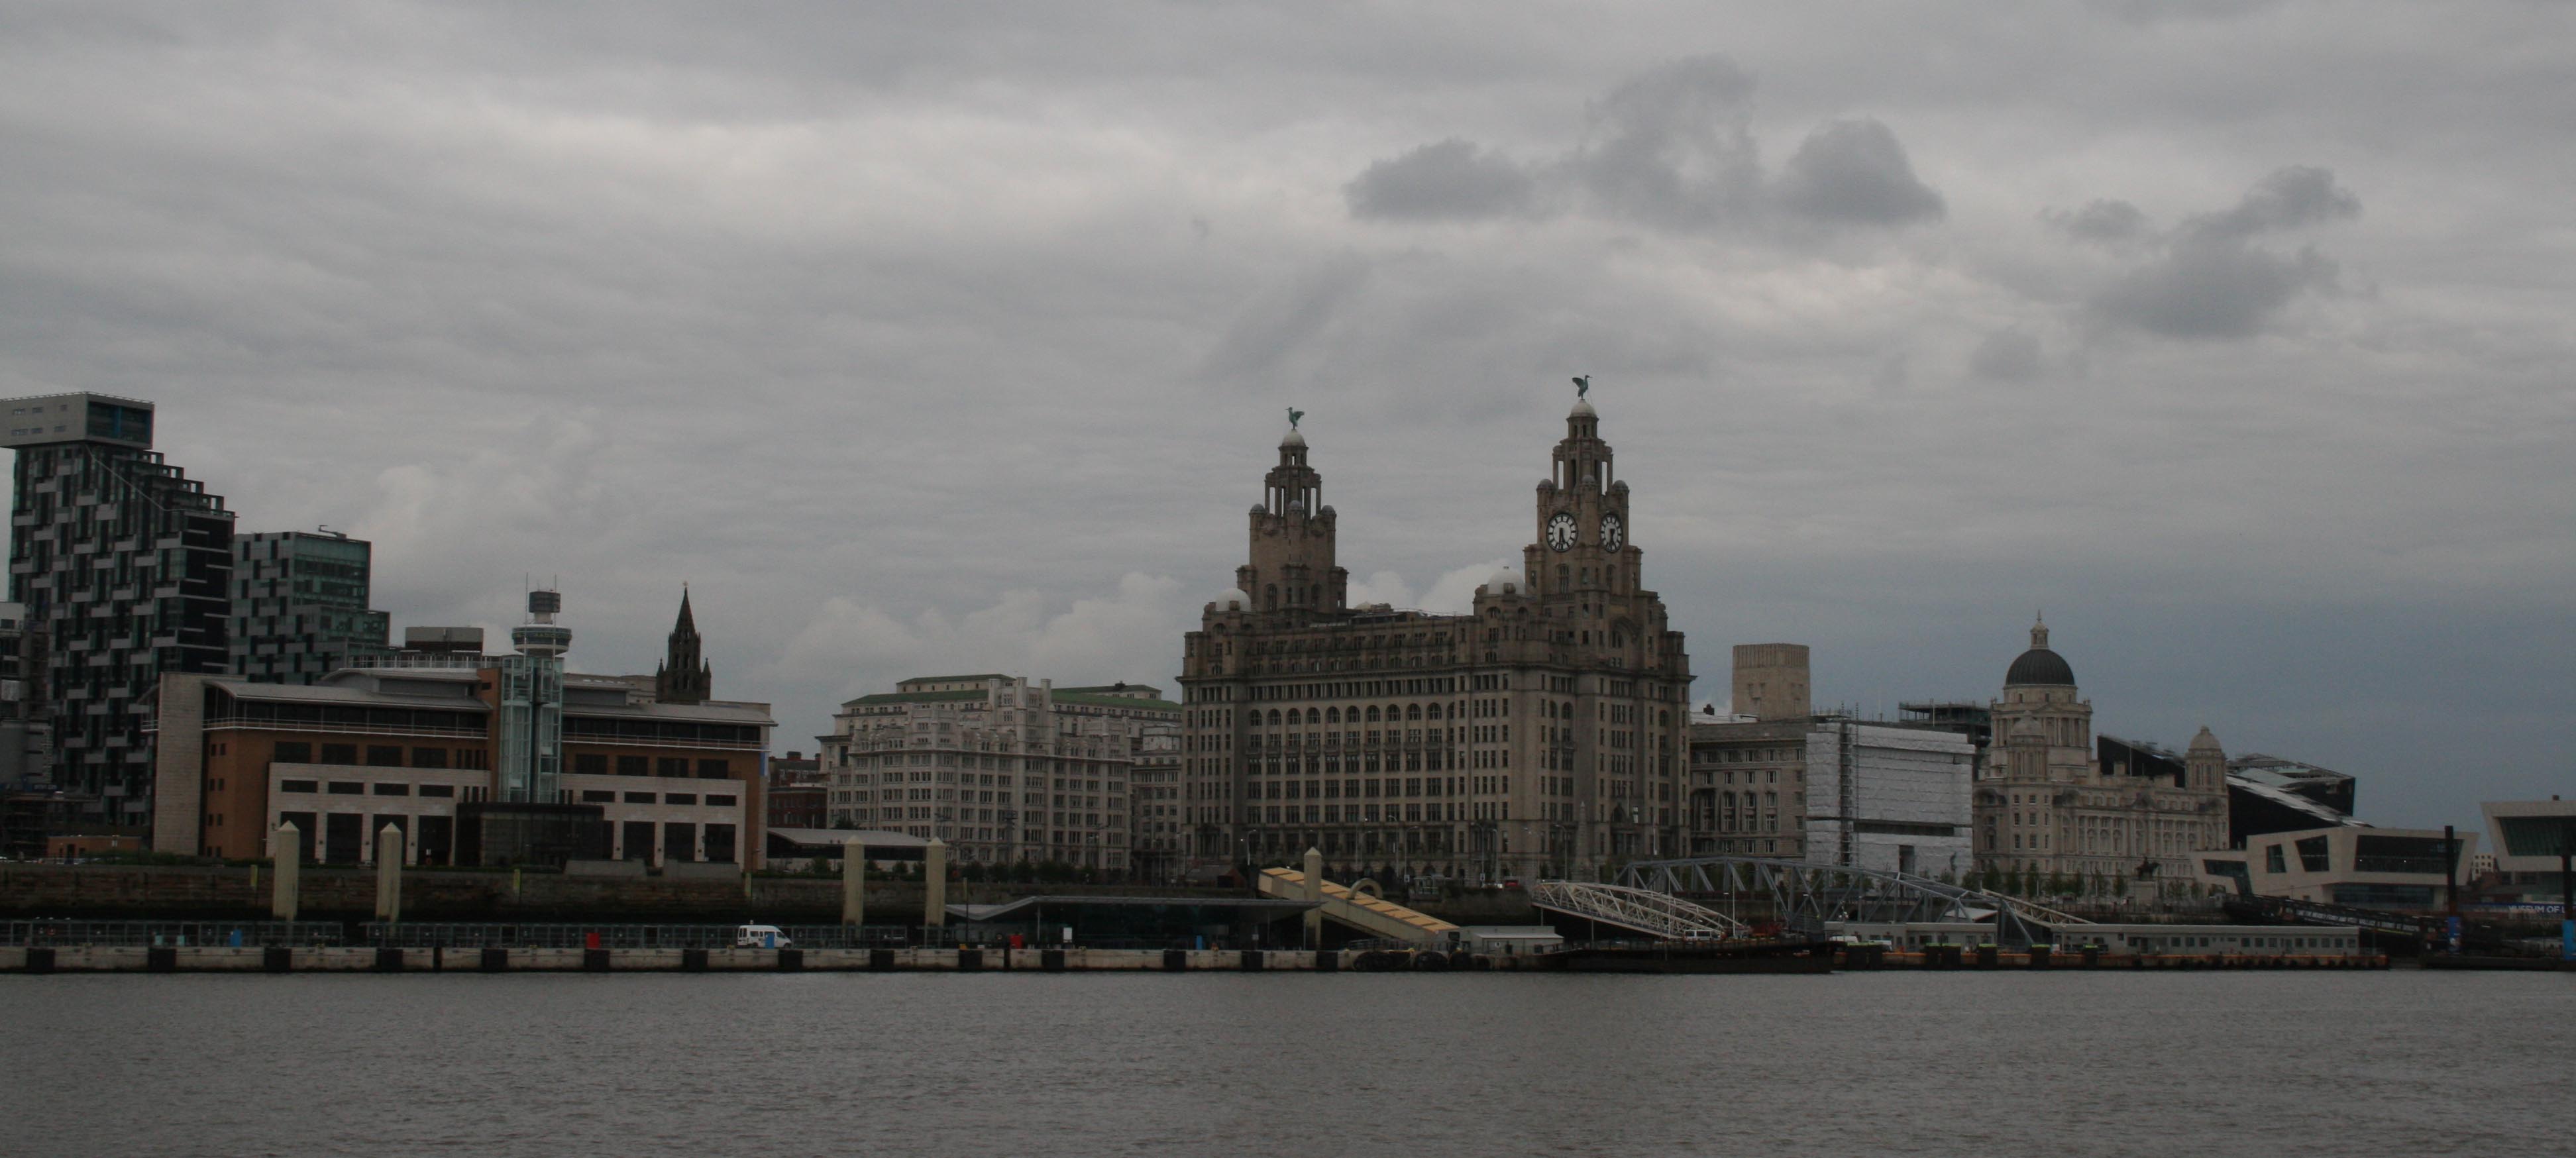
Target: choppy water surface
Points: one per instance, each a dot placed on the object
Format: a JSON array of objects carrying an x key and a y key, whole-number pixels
[{"x": 1493, "y": 1064}]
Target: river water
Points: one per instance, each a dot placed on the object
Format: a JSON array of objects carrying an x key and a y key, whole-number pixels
[{"x": 2399, "y": 1062}]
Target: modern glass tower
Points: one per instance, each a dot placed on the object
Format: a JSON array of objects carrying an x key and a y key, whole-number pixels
[
  {"x": 300, "y": 605},
  {"x": 125, "y": 563}
]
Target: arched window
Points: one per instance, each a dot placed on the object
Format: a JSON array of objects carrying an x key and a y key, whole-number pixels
[
  {"x": 1332, "y": 715},
  {"x": 1313, "y": 717},
  {"x": 1434, "y": 712},
  {"x": 1274, "y": 717},
  {"x": 1372, "y": 713},
  {"x": 1270, "y": 597},
  {"x": 1413, "y": 712}
]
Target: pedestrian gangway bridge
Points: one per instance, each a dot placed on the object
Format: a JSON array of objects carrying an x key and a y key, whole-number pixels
[
  {"x": 1643, "y": 910},
  {"x": 1368, "y": 913},
  {"x": 1804, "y": 897}
]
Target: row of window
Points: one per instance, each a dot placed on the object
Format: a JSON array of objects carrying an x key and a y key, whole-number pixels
[
  {"x": 598, "y": 764},
  {"x": 363, "y": 788},
  {"x": 381, "y": 755},
  {"x": 713, "y": 799}
]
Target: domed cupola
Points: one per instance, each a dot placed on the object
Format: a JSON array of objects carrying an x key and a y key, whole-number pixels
[{"x": 2039, "y": 667}]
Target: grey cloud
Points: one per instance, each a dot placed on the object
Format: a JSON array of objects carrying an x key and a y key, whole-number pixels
[
  {"x": 1267, "y": 339},
  {"x": 2212, "y": 282},
  {"x": 2006, "y": 356},
  {"x": 1673, "y": 147},
  {"x": 2295, "y": 196},
  {"x": 2101, "y": 220},
  {"x": 1452, "y": 179},
  {"x": 2212, "y": 287},
  {"x": 1855, "y": 172}
]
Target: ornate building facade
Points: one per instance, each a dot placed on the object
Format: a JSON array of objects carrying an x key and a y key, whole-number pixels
[
  {"x": 1541, "y": 734},
  {"x": 2054, "y": 800}
]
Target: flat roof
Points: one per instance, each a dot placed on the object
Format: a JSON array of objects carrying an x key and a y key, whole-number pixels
[{"x": 344, "y": 694}]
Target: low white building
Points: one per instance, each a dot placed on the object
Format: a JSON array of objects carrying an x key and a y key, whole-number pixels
[{"x": 1889, "y": 798}]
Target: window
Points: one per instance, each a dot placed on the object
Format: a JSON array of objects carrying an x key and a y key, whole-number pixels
[
  {"x": 348, "y": 788},
  {"x": 438, "y": 791},
  {"x": 298, "y": 786},
  {"x": 2273, "y": 861},
  {"x": 598, "y": 796},
  {"x": 633, "y": 766},
  {"x": 294, "y": 752},
  {"x": 384, "y": 756},
  {"x": 339, "y": 753},
  {"x": 590, "y": 763},
  {"x": 679, "y": 798},
  {"x": 393, "y": 789},
  {"x": 714, "y": 769},
  {"x": 718, "y": 801},
  {"x": 429, "y": 757},
  {"x": 2312, "y": 854},
  {"x": 639, "y": 798},
  {"x": 672, "y": 766}
]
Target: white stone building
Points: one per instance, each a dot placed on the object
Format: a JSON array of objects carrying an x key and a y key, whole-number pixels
[{"x": 1001, "y": 769}]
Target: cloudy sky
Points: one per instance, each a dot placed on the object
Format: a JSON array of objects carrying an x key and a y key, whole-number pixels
[{"x": 925, "y": 338}]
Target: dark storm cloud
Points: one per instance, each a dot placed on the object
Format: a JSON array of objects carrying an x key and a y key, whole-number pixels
[
  {"x": 1855, "y": 173},
  {"x": 1671, "y": 148},
  {"x": 2213, "y": 282},
  {"x": 1450, "y": 179}
]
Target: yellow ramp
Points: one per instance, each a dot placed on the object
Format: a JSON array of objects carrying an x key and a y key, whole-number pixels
[{"x": 1375, "y": 916}]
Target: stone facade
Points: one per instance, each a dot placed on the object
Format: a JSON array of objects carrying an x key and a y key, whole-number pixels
[
  {"x": 1001, "y": 769},
  {"x": 1541, "y": 734},
  {"x": 2052, "y": 800},
  {"x": 1748, "y": 788}
]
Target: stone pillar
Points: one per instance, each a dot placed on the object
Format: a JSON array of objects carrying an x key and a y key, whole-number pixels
[
  {"x": 389, "y": 858},
  {"x": 854, "y": 882},
  {"x": 934, "y": 883},
  {"x": 1315, "y": 893},
  {"x": 287, "y": 844}
]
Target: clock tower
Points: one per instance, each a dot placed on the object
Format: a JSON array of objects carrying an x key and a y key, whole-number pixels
[
  {"x": 1291, "y": 569},
  {"x": 1582, "y": 552}
]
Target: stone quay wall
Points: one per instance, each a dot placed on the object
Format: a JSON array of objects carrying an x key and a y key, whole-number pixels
[{"x": 328, "y": 893}]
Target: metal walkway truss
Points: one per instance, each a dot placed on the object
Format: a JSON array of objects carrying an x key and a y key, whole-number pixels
[
  {"x": 1643, "y": 910},
  {"x": 1806, "y": 896}
]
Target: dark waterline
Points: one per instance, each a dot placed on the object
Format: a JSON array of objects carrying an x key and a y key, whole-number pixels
[{"x": 1317, "y": 1066}]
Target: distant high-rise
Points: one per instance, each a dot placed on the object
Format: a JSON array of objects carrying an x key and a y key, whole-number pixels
[
  {"x": 125, "y": 564},
  {"x": 300, "y": 605},
  {"x": 685, "y": 677}
]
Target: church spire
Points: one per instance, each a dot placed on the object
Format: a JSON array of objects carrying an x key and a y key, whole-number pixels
[{"x": 684, "y": 677}]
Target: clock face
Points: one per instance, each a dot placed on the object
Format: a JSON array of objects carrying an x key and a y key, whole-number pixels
[
  {"x": 1560, "y": 531},
  {"x": 1610, "y": 530}
]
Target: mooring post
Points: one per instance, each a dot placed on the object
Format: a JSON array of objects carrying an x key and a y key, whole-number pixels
[
  {"x": 389, "y": 858},
  {"x": 854, "y": 882},
  {"x": 286, "y": 849}
]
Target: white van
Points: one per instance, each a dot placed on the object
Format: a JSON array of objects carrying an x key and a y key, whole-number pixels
[{"x": 761, "y": 937}]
